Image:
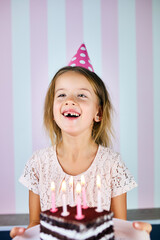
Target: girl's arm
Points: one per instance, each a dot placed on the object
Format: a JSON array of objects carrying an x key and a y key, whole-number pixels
[
  {"x": 119, "y": 206},
  {"x": 34, "y": 209},
  {"x": 34, "y": 215}
]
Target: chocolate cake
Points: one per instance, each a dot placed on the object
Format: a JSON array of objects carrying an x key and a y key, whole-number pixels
[{"x": 95, "y": 225}]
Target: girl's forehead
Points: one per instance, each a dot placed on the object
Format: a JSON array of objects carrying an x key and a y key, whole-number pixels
[{"x": 72, "y": 79}]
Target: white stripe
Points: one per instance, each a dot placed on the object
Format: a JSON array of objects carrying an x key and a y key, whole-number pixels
[
  {"x": 45, "y": 236},
  {"x": 128, "y": 92},
  {"x": 156, "y": 75},
  {"x": 56, "y": 36},
  {"x": 92, "y": 32},
  {"x": 74, "y": 234},
  {"x": 107, "y": 237},
  {"x": 21, "y": 95}
]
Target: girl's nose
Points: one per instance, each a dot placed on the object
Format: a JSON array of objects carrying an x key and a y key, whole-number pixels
[{"x": 70, "y": 101}]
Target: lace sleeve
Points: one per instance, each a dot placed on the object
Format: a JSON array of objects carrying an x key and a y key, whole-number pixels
[
  {"x": 30, "y": 176},
  {"x": 121, "y": 179}
]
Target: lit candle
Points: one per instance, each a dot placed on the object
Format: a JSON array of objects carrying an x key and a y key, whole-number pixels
[
  {"x": 83, "y": 192},
  {"x": 79, "y": 215},
  {"x": 99, "y": 206},
  {"x": 63, "y": 188},
  {"x": 71, "y": 190},
  {"x": 53, "y": 209}
]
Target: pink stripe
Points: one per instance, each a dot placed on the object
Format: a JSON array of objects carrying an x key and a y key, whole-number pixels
[
  {"x": 145, "y": 103},
  {"x": 74, "y": 27},
  {"x": 110, "y": 67},
  {"x": 6, "y": 140},
  {"x": 39, "y": 68}
]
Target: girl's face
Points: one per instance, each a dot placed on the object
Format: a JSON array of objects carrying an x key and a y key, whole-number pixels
[{"x": 76, "y": 105}]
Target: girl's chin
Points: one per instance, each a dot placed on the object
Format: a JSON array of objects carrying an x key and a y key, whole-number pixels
[
  {"x": 71, "y": 132},
  {"x": 74, "y": 132}
]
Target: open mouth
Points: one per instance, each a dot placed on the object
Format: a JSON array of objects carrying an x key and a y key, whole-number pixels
[{"x": 71, "y": 115}]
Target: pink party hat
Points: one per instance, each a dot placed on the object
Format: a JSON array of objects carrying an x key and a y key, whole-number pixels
[{"x": 81, "y": 59}]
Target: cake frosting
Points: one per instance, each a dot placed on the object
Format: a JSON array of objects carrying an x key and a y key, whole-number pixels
[{"x": 95, "y": 225}]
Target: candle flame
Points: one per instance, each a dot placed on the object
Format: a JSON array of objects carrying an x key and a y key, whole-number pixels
[
  {"x": 78, "y": 188},
  {"x": 71, "y": 181},
  {"x": 82, "y": 180},
  {"x": 52, "y": 186},
  {"x": 98, "y": 181},
  {"x": 63, "y": 188}
]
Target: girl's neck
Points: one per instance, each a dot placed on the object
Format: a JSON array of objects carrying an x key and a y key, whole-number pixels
[{"x": 74, "y": 147}]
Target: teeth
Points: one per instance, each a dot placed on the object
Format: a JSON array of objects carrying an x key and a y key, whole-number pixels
[
  {"x": 75, "y": 114},
  {"x": 71, "y": 114}
]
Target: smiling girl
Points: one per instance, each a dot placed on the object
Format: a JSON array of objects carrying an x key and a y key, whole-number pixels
[{"x": 77, "y": 115}]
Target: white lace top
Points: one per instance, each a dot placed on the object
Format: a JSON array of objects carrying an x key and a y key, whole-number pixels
[{"x": 44, "y": 167}]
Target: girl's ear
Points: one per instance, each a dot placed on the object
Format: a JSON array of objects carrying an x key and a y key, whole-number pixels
[{"x": 98, "y": 116}]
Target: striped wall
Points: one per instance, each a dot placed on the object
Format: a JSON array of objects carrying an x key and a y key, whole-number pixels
[{"x": 122, "y": 37}]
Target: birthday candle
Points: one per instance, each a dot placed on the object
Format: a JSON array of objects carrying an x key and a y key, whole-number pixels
[
  {"x": 53, "y": 209},
  {"x": 79, "y": 215},
  {"x": 99, "y": 206},
  {"x": 83, "y": 192},
  {"x": 63, "y": 189}
]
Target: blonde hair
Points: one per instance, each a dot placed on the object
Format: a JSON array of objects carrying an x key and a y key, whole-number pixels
[{"x": 102, "y": 131}]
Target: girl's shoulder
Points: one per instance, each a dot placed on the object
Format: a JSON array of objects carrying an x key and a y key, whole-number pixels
[
  {"x": 109, "y": 157},
  {"x": 46, "y": 150},
  {"x": 108, "y": 153},
  {"x": 44, "y": 153}
]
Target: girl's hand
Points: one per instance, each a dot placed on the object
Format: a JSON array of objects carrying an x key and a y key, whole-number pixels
[
  {"x": 143, "y": 226},
  {"x": 17, "y": 231}
]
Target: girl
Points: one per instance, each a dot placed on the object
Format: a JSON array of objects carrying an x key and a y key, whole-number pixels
[{"x": 77, "y": 115}]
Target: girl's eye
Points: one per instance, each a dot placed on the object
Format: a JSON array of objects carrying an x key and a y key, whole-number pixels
[
  {"x": 82, "y": 95},
  {"x": 61, "y": 95}
]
